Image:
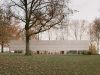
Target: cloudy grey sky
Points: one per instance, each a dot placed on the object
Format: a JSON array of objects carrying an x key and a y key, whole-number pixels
[{"x": 88, "y": 9}]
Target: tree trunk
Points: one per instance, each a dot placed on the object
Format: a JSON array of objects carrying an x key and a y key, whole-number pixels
[
  {"x": 49, "y": 35},
  {"x": 27, "y": 44},
  {"x": 2, "y": 47},
  {"x": 98, "y": 46},
  {"x": 27, "y": 29}
]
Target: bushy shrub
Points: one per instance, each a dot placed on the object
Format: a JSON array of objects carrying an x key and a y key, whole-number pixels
[
  {"x": 92, "y": 49},
  {"x": 86, "y": 53},
  {"x": 18, "y": 51}
]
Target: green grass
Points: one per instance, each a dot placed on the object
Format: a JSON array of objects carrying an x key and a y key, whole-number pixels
[{"x": 14, "y": 64}]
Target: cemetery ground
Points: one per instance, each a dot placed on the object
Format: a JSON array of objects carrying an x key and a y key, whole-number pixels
[{"x": 18, "y": 64}]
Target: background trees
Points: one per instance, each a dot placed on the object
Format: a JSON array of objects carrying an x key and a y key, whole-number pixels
[{"x": 78, "y": 29}]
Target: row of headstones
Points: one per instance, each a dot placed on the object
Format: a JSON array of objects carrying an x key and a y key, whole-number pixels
[
  {"x": 60, "y": 52},
  {"x": 48, "y": 52}
]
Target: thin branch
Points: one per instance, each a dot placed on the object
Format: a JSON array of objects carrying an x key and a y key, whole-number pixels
[
  {"x": 18, "y": 17},
  {"x": 15, "y": 4}
]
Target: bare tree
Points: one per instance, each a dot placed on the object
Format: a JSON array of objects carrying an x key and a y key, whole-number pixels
[
  {"x": 83, "y": 28},
  {"x": 78, "y": 28},
  {"x": 49, "y": 36},
  {"x": 74, "y": 25},
  {"x": 38, "y": 15},
  {"x": 95, "y": 31}
]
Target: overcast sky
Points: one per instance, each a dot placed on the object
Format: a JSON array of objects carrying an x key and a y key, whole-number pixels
[{"x": 88, "y": 9}]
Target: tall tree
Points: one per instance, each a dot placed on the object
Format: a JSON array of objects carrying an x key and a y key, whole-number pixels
[
  {"x": 6, "y": 29},
  {"x": 38, "y": 15},
  {"x": 95, "y": 32}
]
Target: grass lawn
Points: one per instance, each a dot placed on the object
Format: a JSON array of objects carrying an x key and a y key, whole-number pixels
[{"x": 11, "y": 64}]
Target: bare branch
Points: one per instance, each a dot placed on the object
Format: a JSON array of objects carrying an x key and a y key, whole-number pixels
[
  {"x": 49, "y": 27},
  {"x": 15, "y": 4}
]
